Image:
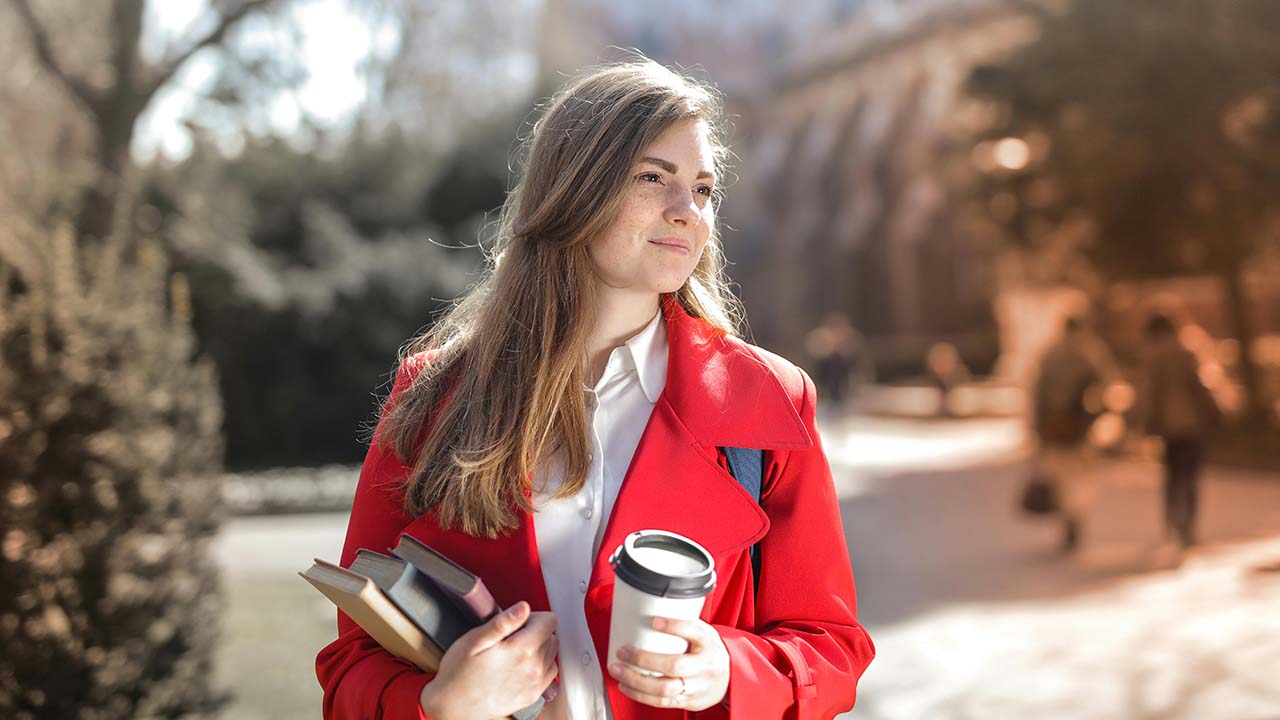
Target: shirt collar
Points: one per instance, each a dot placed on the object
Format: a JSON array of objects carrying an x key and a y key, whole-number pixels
[
  {"x": 649, "y": 353},
  {"x": 645, "y": 354}
]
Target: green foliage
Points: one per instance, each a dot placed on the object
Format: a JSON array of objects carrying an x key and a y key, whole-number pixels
[
  {"x": 1156, "y": 121},
  {"x": 310, "y": 267},
  {"x": 109, "y": 454}
]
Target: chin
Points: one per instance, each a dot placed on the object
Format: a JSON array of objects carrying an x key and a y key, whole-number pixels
[
  {"x": 670, "y": 285},
  {"x": 669, "y": 282}
]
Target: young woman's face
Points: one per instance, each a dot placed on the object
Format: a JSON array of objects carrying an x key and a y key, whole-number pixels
[{"x": 655, "y": 242}]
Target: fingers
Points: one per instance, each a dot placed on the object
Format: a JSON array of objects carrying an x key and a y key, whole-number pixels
[
  {"x": 503, "y": 624},
  {"x": 655, "y": 692},
  {"x": 549, "y": 668},
  {"x": 695, "y": 631},
  {"x": 537, "y": 628},
  {"x": 665, "y": 663},
  {"x": 549, "y": 651}
]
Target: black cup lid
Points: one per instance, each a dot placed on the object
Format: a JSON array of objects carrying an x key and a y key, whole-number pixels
[{"x": 630, "y": 570}]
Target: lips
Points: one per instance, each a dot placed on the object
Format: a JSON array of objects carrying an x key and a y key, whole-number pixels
[{"x": 674, "y": 243}]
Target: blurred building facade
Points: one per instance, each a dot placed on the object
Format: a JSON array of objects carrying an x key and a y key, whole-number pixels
[{"x": 848, "y": 165}]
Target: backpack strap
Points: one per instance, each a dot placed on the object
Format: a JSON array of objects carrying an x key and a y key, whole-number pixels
[{"x": 747, "y": 467}]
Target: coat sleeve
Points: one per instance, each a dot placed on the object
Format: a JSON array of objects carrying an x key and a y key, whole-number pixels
[
  {"x": 805, "y": 660},
  {"x": 361, "y": 681}
]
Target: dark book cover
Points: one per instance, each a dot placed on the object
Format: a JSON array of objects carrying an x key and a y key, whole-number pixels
[
  {"x": 417, "y": 597},
  {"x": 465, "y": 589}
]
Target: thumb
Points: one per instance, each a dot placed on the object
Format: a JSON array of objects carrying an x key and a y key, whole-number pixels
[{"x": 502, "y": 625}]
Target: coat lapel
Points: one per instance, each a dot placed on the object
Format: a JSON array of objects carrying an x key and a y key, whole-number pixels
[
  {"x": 718, "y": 394},
  {"x": 675, "y": 484}
]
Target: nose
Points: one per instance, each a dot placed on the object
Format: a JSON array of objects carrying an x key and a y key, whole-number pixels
[{"x": 681, "y": 208}]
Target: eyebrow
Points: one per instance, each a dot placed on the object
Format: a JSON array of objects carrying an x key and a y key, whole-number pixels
[{"x": 671, "y": 167}]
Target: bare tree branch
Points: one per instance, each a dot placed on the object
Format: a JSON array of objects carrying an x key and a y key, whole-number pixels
[
  {"x": 215, "y": 36},
  {"x": 79, "y": 89}
]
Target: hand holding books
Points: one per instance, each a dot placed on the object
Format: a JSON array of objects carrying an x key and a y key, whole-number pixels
[
  {"x": 495, "y": 669},
  {"x": 423, "y": 607}
]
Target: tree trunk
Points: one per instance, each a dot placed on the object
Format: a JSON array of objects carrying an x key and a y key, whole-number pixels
[
  {"x": 99, "y": 201},
  {"x": 1238, "y": 310},
  {"x": 114, "y": 119}
]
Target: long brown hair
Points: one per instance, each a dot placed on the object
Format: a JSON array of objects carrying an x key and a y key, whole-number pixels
[{"x": 504, "y": 388}]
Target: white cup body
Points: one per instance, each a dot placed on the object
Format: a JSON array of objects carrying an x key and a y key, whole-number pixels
[{"x": 632, "y": 621}]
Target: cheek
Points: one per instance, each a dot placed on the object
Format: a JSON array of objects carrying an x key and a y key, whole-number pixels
[{"x": 609, "y": 253}]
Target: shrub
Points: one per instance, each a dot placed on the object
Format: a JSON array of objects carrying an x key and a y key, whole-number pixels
[{"x": 109, "y": 454}]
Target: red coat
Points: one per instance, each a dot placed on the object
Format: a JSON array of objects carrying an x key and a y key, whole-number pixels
[{"x": 796, "y": 649}]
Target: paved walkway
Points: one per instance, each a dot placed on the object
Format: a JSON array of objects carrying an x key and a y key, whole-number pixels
[{"x": 975, "y": 616}]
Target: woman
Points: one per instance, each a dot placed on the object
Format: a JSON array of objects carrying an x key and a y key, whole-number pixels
[{"x": 582, "y": 392}]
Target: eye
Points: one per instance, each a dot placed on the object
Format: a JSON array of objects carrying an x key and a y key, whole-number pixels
[
  {"x": 649, "y": 177},
  {"x": 705, "y": 190}
]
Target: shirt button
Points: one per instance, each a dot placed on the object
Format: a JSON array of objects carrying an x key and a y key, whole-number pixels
[
  {"x": 586, "y": 659},
  {"x": 582, "y": 586},
  {"x": 587, "y": 512}
]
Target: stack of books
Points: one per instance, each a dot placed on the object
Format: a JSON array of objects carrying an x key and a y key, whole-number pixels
[{"x": 415, "y": 602}]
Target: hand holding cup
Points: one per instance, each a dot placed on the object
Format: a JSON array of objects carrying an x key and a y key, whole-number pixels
[
  {"x": 694, "y": 680},
  {"x": 660, "y": 651}
]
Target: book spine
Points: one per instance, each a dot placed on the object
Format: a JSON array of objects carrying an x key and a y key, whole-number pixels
[
  {"x": 429, "y": 608},
  {"x": 478, "y": 603}
]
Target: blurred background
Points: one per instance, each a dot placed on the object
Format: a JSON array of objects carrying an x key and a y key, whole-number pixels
[{"x": 220, "y": 219}]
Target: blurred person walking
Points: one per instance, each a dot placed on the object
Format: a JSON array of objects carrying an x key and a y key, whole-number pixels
[
  {"x": 1174, "y": 405},
  {"x": 842, "y": 362},
  {"x": 945, "y": 370},
  {"x": 1061, "y": 418}
]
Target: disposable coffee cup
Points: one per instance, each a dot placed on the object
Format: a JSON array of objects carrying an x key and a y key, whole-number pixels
[{"x": 657, "y": 574}]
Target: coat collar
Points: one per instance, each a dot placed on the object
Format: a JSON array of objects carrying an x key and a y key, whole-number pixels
[{"x": 725, "y": 394}]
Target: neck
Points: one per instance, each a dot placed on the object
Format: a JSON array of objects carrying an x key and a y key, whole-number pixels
[{"x": 619, "y": 316}]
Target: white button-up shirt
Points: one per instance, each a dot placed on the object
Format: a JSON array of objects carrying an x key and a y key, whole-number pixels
[{"x": 569, "y": 530}]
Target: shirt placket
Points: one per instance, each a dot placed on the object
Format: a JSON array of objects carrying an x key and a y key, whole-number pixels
[
  {"x": 589, "y": 516},
  {"x": 590, "y": 509}
]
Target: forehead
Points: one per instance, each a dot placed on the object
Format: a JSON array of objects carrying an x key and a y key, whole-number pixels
[{"x": 687, "y": 144}]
